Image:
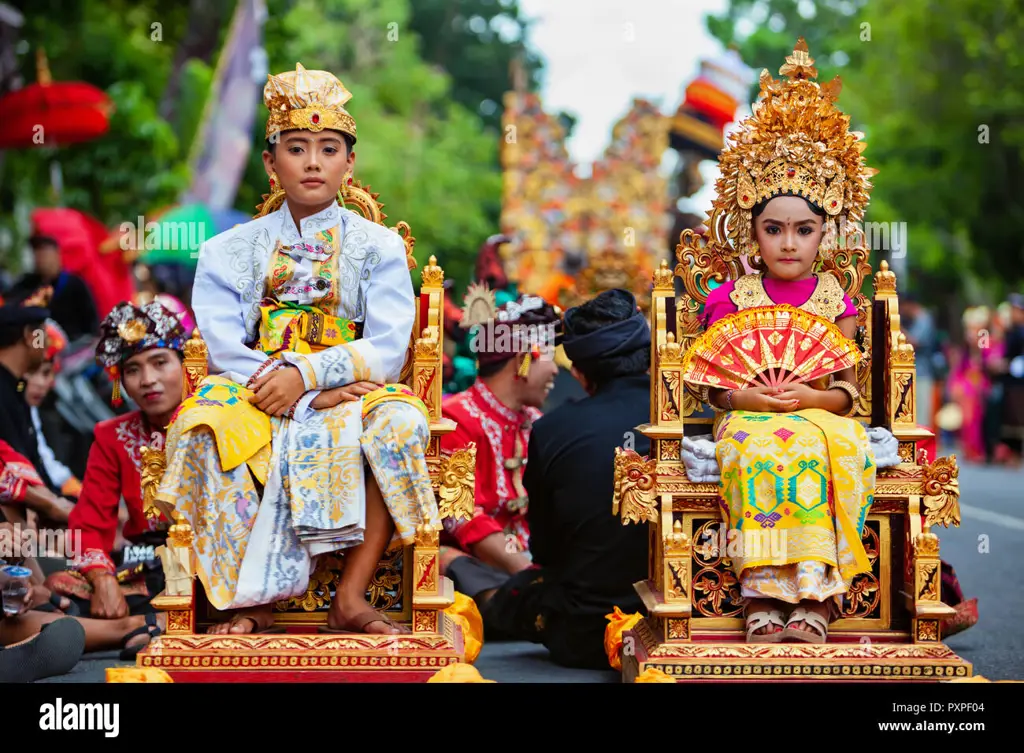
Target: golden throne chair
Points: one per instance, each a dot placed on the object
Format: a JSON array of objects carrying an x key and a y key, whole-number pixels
[
  {"x": 406, "y": 586},
  {"x": 693, "y": 628}
]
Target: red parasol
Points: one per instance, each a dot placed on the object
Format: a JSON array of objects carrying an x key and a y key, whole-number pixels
[
  {"x": 53, "y": 114},
  {"x": 79, "y": 236}
]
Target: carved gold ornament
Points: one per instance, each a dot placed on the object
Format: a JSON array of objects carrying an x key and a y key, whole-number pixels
[
  {"x": 458, "y": 482},
  {"x": 942, "y": 492},
  {"x": 634, "y": 487},
  {"x": 153, "y": 465},
  {"x": 480, "y": 305}
]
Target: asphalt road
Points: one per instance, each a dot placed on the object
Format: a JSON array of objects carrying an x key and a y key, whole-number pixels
[{"x": 987, "y": 552}]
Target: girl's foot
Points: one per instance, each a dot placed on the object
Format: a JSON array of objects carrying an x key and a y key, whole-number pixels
[
  {"x": 764, "y": 621},
  {"x": 808, "y": 622}
]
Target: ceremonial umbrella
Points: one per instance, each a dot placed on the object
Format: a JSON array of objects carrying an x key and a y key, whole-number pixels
[{"x": 52, "y": 114}]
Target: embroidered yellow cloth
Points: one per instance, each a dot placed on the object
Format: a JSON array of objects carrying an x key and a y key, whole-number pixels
[
  {"x": 137, "y": 674},
  {"x": 458, "y": 673},
  {"x": 652, "y": 674},
  {"x": 392, "y": 393},
  {"x": 242, "y": 430},
  {"x": 465, "y": 612}
]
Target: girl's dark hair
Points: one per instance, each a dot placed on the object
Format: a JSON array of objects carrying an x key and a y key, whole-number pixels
[{"x": 759, "y": 208}]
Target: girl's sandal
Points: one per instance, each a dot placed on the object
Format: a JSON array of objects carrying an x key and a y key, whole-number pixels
[
  {"x": 819, "y": 625},
  {"x": 765, "y": 618}
]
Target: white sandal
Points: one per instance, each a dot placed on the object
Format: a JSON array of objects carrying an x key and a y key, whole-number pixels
[
  {"x": 761, "y": 619},
  {"x": 818, "y": 623}
]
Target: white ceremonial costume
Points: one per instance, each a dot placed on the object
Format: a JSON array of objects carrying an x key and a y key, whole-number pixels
[{"x": 265, "y": 495}]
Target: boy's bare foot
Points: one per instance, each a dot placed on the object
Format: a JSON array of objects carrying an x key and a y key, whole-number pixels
[{"x": 251, "y": 620}]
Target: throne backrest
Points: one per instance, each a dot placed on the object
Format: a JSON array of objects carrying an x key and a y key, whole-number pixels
[{"x": 707, "y": 260}]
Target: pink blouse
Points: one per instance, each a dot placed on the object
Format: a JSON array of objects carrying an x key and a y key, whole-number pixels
[{"x": 782, "y": 292}]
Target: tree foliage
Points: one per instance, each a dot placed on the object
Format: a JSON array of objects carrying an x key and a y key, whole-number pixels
[
  {"x": 938, "y": 88},
  {"x": 428, "y": 136}
]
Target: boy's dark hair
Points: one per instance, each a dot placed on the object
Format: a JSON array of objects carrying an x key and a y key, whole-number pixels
[{"x": 595, "y": 314}]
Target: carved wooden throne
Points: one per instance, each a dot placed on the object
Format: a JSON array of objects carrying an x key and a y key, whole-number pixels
[
  {"x": 406, "y": 585},
  {"x": 889, "y": 626}
]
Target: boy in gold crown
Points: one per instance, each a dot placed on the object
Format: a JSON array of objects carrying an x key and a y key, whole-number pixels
[{"x": 307, "y": 312}]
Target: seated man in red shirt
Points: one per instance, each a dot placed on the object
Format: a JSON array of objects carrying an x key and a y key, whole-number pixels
[
  {"x": 514, "y": 345},
  {"x": 142, "y": 348}
]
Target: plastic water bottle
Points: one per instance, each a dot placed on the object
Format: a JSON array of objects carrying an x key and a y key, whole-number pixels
[{"x": 15, "y": 588}]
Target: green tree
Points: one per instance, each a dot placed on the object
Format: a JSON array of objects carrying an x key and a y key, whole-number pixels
[
  {"x": 476, "y": 42},
  {"x": 938, "y": 88},
  {"x": 125, "y": 48}
]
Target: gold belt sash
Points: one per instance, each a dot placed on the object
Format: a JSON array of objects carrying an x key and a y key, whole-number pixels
[{"x": 302, "y": 329}]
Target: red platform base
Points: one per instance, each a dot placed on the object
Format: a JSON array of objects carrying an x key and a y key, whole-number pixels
[
  {"x": 724, "y": 660},
  {"x": 306, "y": 657}
]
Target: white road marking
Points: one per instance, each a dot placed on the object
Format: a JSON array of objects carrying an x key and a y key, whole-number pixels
[{"x": 978, "y": 513}]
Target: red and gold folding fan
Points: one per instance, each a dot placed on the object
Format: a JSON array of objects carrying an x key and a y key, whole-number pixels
[{"x": 770, "y": 346}]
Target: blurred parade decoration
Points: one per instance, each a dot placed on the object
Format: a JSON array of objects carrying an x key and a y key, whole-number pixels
[
  {"x": 574, "y": 237},
  {"x": 81, "y": 237},
  {"x": 222, "y": 145}
]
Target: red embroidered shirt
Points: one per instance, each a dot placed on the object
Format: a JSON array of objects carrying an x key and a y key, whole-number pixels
[
  {"x": 502, "y": 437},
  {"x": 112, "y": 472}
]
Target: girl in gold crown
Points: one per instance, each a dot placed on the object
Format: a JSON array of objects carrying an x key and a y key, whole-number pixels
[
  {"x": 795, "y": 470},
  {"x": 307, "y": 313}
]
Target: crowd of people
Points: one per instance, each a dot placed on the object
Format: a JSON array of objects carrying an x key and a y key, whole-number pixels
[{"x": 302, "y": 440}]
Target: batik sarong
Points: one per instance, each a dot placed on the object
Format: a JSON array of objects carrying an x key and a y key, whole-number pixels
[{"x": 796, "y": 489}]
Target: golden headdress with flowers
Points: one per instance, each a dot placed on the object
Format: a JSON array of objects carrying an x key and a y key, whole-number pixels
[
  {"x": 307, "y": 100},
  {"x": 796, "y": 142}
]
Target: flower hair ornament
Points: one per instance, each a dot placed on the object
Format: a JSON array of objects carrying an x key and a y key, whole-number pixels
[
  {"x": 129, "y": 330},
  {"x": 521, "y": 325},
  {"x": 796, "y": 143}
]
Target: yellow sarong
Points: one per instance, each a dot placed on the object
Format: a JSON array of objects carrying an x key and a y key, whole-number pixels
[{"x": 797, "y": 488}]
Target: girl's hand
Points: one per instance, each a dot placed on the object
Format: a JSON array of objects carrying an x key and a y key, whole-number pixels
[
  {"x": 762, "y": 400},
  {"x": 804, "y": 395}
]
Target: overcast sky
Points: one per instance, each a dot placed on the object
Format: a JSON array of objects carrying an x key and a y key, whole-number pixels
[{"x": 600, "y": 54}]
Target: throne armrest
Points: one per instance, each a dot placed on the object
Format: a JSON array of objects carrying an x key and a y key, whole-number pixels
[
  {"x": 428, "y": 348},
  {"x": 194, "y": 367}
]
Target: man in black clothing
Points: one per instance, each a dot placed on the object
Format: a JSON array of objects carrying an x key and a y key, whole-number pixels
[
  {"x": 585, "y": 561},
  {"x": 72, "y": 305}
]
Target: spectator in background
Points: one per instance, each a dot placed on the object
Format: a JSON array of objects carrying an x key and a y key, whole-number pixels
[
  {"x": 72, "y": 305},
  {"x": 919, "y": 328}
]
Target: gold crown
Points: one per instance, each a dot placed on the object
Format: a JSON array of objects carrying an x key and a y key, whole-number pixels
[
  {"x": 796, "y": 142},
  {"x": 307, "y": 100}
]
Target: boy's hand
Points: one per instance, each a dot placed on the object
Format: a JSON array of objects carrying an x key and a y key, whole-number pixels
[
  {"x": 277, "y": 391},
  {"x": 337, "y": 395}
]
